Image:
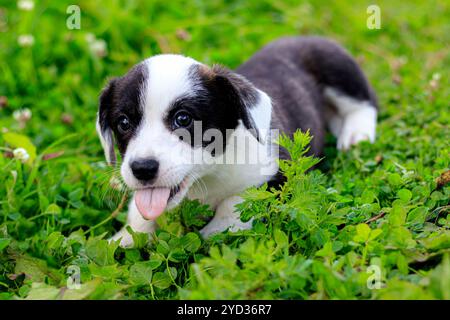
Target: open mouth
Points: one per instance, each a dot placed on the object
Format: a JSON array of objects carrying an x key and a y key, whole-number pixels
[
  {"x": 151, "y": 202},
  {"x": 175, "y": 190}
]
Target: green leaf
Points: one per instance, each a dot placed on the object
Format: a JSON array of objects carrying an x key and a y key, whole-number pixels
[
  {"x": 161, "y": 280},
  {"x": 100, "y": 251},
  {"x": 162, "y": 247},
  {"x": 76, "y": 194},
  {"x": 368, "y": 196},
  {"x": 20, "y": 141},
  {"x": 53, "y": 209},
  {"x": 140, "y": 239},
  {"x": 177, "y": 255},
  {"x": 374, "y": 234},
  {"x": 441, "y": 241},
  {"x": 397, "y": 216},
  {"x": 83, "y": 292},
  {"x": 55, "y": 240},
  {"x": 191, "y": 242},
  {"x": 404, "y": 194},
  {"x": 195, "y": 213},
  {"x": 394, "y": 179},
  {"x": 281, "y": 239},
  {"x": 4, "y": 242},
  {"x": 141, "y": 273},
  {"x": 173, "y": 272},
  {"x": 417, "y": 215},
  {"x": 42, "y": 291},
  {"x": 35, "y": 269},
  {"x": 155, "y": 261},
  {"x": 109, "y": 272},
  {"x": 326, "y": 251},
  {"x": 440, "y": 279},
  {"x": 362, "y": 233}
]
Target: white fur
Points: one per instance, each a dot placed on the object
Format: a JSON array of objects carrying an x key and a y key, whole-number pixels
[
  {"x": 353, "y": 121},
  {"x": 214, "y": 180},
  {"x": 136, "y": 222},
  {"x": 106, "y": 139},
  {"x": 262, "y": 114},
  {"x": 226, "y": 217},
  {"x": 167, "y": 80}
]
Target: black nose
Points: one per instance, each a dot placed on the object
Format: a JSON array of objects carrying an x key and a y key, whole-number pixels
[{"x": 144, "y": 169}]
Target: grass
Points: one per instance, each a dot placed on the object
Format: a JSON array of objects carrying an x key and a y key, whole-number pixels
[{"x": 373, "y": 223}]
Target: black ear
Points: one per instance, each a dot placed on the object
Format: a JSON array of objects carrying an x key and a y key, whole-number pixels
[
  {"x": 103, "y": 126},
  {"x": 241, "y": 93}
]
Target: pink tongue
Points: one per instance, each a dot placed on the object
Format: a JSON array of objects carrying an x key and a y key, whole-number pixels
[{"x": 152, "y": 202}]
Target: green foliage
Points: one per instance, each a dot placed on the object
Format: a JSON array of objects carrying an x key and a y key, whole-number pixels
[{"x": 321, "y": 236}]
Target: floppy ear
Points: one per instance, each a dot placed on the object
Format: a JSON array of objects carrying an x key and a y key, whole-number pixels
[
  {"x": 103, "y": 127},
  {"x": 253, "y": 106}
]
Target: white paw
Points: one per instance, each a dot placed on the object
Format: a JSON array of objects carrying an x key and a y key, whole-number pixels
[
  {"x": 358, "y": 126},
  {"x": 207, "y": 232},
  {"x": 351, "y": 137},
  {"x": 221, "y": 225},
  {"x": 126, "y": 239},
  {"x": 214, "y": 226}
]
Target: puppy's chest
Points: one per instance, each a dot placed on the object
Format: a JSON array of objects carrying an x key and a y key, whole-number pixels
[{"x": 228, "y": 180}]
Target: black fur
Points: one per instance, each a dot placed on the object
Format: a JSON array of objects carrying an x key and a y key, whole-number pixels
[
  {"x": 121, "y": 97},
  {"x": 221, "y": 99},
  {"x": 293, "y": 71}
]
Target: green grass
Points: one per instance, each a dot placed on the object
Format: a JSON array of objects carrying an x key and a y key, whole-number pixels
[{"x": 376, "y": 207}]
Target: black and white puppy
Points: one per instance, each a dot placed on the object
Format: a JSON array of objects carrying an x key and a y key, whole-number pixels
[{"x": 186, "y": 130}]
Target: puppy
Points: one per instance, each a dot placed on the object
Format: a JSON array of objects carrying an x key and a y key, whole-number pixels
[{"x": 186, "y": 130}]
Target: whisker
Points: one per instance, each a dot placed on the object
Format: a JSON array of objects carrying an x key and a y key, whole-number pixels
[
  {"x": 199, "y": 184},
  {"x": 107, "y": 190}
]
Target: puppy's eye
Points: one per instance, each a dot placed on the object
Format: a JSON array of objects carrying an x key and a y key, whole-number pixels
[
  {"x": 182, "y": 119},
  {"x": 123, "y": 124}
]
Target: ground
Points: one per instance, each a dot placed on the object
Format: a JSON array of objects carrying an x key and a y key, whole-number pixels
[{"x": 370, "y": 223}]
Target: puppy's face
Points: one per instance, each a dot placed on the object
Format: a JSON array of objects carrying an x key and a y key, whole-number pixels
[{"x": 164, "y": 115}]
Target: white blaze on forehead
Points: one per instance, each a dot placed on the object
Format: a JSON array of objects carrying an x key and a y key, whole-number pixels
[{"x": 168, "y": 79}]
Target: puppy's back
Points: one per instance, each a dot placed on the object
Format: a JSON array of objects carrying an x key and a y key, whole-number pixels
[{"x": 295, "y": 71}]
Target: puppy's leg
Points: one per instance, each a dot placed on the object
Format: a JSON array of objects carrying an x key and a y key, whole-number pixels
[
  {"x": 136, "y": 222},
  {"x": 352, "y": 121},
  {"x": 226, "y": 217}
]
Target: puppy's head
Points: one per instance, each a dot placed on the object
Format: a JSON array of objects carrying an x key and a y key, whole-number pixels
[{"x": 170, "y": 117}]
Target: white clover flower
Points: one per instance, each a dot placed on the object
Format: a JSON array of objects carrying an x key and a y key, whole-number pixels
[
  {"x": 26, "y": 5},
  {"x": 25, "y": 40},
  {"x": 21, "y": 154},
  {"x": 22, "y": 115},
  {"x": 90, "y": 37},
  {"x": 436, "y": 76},
  {"x": 98, "y": 47},
  {"x": 434, "y": 82}
]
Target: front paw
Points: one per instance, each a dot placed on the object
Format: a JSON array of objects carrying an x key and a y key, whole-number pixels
[
  {"x": 208, "y": 230},
  {"x": 126, "y": 239},
  {"x": 231, "y": 225}
]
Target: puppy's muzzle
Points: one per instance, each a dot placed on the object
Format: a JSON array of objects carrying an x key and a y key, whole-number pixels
[{"x": 145, "y": 170}]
